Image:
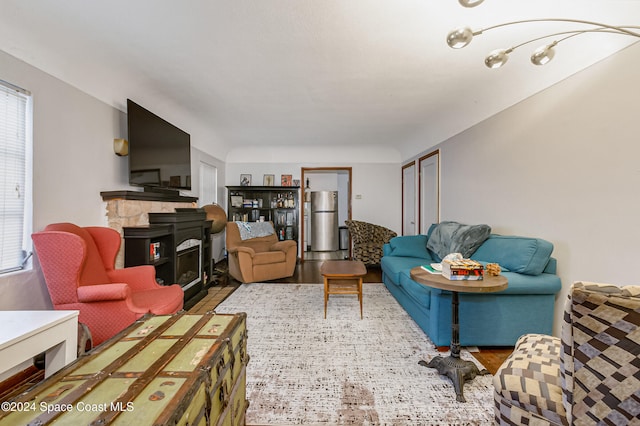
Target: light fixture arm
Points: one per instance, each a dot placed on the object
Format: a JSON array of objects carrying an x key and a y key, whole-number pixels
[
  {"x": 614, "y": 28},
  {"x": 543, "y": 54},
  {"x": 461, "y": 37},
  {"x": 571, "y": 34}
]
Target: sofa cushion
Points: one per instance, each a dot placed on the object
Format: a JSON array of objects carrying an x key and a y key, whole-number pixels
[
  {"x": 421, "y": 294},
  {"x": 410, "y": 246},
  {"x": 518, "y": 254},
  {"x": 393, "y": 265}
]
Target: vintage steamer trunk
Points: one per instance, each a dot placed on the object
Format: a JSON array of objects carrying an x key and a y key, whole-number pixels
[{"x": 163, "y": 370}]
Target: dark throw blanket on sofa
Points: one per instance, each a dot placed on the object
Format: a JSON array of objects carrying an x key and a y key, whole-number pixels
[{"x": 453, "y": 237}]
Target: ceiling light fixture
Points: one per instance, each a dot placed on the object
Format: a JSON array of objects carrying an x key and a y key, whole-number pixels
[
  {"x": 470, "y": 3},
  {"x": 461, "y": 37}
]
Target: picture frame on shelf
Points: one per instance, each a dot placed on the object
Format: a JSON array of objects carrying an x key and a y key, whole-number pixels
[
  {"x": 285, "y": 180},
  {"x": 236, "y": 200},
  {"x": 245, "y": 180},
  {"x": 296, "y": 182},
  {"x": 268, "y": 180}
]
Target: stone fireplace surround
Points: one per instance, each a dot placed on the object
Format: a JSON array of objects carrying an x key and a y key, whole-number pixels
[{"x": 132, "y": 208}]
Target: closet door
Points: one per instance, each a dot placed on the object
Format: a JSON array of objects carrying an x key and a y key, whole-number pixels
[
  {"x": 208, "y": 184},
  {"x": 429, "y": 190}
]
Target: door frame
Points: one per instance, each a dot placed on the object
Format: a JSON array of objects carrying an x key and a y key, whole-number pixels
[
  {"x": 406, "y": 166},
  {"x": 335, "y": 169}
]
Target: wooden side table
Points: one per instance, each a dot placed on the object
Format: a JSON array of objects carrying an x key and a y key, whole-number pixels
[
  {"x": 342, "y": 277},
  {"x": 458, "y": 370}
]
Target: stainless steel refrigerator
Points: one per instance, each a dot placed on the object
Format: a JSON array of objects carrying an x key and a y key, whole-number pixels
[{"x": 324, "y": 221}]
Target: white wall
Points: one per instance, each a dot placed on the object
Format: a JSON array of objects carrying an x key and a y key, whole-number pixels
[
  {"x": 562, "y": 165},
  {"x": 73, "y": 161}
]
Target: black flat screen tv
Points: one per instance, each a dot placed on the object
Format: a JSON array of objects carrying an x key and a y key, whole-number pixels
[{"x": 159, "y": 152}]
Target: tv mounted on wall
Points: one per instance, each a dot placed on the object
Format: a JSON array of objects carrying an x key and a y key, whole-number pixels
[{"x": 159, "y": 152}]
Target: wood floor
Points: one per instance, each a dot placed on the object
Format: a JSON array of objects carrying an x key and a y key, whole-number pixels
[{"x": 309, "y": 272}]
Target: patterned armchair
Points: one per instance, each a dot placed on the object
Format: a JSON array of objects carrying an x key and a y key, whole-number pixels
[
  {"x": 589, "y": 376},
  {"x": 368, "y": 240}
]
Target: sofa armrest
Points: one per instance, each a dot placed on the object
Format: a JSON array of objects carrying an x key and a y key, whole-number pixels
[
  {"x": 600, "y": 334},
  {"x": 240, "y": 249},
  {"x": 283, "y": 245},
  {"x": 103, "y": 292},
  {"x": 551, "y": 266}
]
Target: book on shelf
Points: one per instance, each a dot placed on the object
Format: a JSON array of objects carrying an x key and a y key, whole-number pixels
[{"x": 154, "y": 251}]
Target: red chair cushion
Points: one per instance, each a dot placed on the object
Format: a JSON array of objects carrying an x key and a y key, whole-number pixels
[{"x": 160, "y": 301}]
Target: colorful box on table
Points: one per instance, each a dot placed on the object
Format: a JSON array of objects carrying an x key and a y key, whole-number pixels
[{"x": 464, "y": 269}]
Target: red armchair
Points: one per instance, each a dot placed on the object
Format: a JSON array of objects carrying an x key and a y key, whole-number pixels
[{"x": 78, "y": 267}]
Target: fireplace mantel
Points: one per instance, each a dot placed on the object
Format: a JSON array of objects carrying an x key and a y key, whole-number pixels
[{"x": 147, "y": 196}]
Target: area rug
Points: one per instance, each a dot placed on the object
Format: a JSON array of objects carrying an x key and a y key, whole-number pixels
[{"x": 307, "y": 370}]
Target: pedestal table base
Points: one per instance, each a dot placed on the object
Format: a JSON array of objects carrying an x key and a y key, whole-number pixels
[{"x": 457, "y": 370}]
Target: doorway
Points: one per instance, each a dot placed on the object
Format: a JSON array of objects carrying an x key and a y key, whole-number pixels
[{"x": 322, "y": 179}]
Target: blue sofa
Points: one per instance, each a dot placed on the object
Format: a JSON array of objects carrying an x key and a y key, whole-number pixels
[{"x": 486, "y": 319}]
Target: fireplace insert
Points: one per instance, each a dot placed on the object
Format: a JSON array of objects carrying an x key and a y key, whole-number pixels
[{"x": 188, "y": 263}]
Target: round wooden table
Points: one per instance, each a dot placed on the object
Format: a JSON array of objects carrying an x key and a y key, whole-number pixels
[{"x": 458, "y": 370}]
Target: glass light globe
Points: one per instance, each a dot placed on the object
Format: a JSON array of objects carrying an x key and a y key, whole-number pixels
[
  {"x": 497, "y": 58},
  {"x": 543, "y": 55},
  {"x": 460, "y": 37},
  {"x": 470, "y": 3}
]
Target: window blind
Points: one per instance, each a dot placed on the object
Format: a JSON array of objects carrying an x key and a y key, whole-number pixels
[{"x": 15, "y": 191}]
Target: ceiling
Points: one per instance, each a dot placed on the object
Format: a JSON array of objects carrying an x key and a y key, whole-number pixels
[{"x": 362, "y": 73}]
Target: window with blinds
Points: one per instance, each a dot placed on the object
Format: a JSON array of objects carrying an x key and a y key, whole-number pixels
[{"x": 15, "y": 177}]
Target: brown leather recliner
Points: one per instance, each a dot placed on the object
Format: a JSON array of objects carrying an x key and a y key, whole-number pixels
[{"x": 259, "y": 259}]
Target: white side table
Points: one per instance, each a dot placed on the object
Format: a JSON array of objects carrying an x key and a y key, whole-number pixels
[{"x": 25, "y": 334}]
